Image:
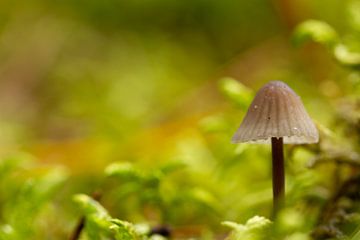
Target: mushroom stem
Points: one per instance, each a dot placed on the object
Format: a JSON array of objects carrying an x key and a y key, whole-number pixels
[{"x": 278, "y": 174}]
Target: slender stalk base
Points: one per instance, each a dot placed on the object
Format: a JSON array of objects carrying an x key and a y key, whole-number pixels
[{"x": 278, "y": 174}]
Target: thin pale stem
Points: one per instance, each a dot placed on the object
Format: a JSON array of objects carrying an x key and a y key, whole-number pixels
[{"x": 278, "y": 174}]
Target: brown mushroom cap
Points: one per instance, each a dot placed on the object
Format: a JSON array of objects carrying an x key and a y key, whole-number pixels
[{"x": 276, "y": 111}]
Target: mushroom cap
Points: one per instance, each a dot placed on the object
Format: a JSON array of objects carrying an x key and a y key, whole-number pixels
[{"x": 276, "y": 111}]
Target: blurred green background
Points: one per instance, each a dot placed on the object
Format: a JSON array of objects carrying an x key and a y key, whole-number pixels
[
  {"x": 153, "y": 83},
  {"x": 84, "y": 79}
]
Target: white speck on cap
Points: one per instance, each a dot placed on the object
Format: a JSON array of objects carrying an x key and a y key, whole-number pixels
[{"x": 276, "y": 111}]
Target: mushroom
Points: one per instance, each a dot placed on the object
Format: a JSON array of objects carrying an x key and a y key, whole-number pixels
[{"x": 277, "y": 115}]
